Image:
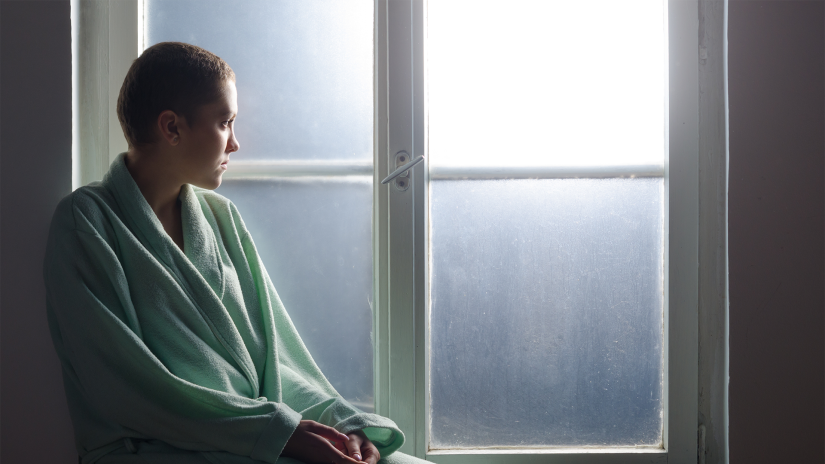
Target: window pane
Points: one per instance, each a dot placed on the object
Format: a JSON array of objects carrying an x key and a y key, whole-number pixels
[
  {"x": 304, "y": 70},
  {"x": 546, "y": 82},
  {"x": 304, "y": 78},
  {"x": 546, "y": 312},
  {"x": 315, "y": 240}
]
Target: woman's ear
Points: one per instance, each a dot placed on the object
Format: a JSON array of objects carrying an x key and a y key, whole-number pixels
[{"x": 168, "y": 124}]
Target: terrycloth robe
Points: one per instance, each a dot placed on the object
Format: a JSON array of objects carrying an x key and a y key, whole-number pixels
[{"x": 179, "y": 350}]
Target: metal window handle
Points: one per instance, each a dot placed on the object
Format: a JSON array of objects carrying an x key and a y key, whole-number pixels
[{"x": 403, "y": 169}]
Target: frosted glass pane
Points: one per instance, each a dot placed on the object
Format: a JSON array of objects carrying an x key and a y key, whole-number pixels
[
  {"x": 546, "y": 312},
  {"x": 546, "y": 82},
  {"x": 304, "y": 70},
  {"x": 316, "y": 243}
]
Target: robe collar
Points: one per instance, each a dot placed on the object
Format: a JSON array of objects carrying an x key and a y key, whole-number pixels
[
  {"x": 136, "y": 212},
  {"x": 199, "y": 243}
]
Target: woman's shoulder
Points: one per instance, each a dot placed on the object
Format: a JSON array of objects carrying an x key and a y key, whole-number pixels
[{"x": 84, "y": 208}]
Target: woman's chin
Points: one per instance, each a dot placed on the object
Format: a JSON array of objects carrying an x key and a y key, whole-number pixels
[{"x": 210, "y": 184}]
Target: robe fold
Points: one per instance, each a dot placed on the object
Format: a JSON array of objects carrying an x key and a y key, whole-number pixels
[{"x": 184, "y": 351}]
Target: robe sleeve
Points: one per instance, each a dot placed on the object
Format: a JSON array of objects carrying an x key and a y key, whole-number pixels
[
  {"x": 336, "y": 412},
  {"x": 304, "y": 387},
  {"x": 118, "y": 378}
]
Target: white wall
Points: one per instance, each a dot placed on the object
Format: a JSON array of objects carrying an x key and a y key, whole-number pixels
[{"x": 35, "y": 172}]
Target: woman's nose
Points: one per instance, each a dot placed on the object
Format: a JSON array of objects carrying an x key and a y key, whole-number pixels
[{"x": 232, "y": 144}]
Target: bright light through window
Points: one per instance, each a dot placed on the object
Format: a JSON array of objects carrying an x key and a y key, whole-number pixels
[
  {"x": 547, "y": 83},
  {"x": 547, "y": 242}
]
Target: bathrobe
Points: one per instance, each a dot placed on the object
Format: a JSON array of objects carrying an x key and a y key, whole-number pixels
[{"x": 186, "y": 354}]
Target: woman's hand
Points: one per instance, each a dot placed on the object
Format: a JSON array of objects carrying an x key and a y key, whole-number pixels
[
  {"x": 361, "y": 448},
  {"x": 310, "y": 443}
]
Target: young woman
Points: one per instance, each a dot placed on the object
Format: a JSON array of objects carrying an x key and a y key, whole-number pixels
[{"x": 174, "y": 344}]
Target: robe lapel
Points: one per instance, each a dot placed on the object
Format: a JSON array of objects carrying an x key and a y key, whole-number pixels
[
  {"x": 200, "y": 244},
  {"x": 199, "y": 272}
]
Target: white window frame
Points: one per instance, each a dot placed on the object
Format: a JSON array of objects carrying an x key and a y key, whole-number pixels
[
  {"x": 401, "y": 238},
  {"x": 105, "y": 41},
  {"x": 400, "y": 218}
]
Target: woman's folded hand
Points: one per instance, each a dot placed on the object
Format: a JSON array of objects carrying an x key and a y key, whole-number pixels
[
  {"x": 361, "y": 448},
  {"x": 316, "y": 443}
]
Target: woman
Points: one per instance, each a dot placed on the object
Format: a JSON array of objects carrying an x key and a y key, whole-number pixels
[{"x": 174, "y": 344}]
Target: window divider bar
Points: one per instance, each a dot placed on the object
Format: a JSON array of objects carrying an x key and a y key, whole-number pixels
[
  {"x": 335, "y": 168},
  {"x": 297, "y": 168},
  {"x": 545, "y": 172}
]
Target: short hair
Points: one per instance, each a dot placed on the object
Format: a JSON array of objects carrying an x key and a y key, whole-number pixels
[{"x": 168, "y": 76}]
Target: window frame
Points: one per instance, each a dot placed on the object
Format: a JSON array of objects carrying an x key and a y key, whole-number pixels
[
  {"x": 400, "y": 267},
  {"x": 401, "y": 237},
  {"x": 100, "y": 61}
]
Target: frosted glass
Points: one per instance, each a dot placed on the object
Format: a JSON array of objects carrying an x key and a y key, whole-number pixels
[
  {"x": 304, "y": 70},
  {"x": 546, "y": 312},
  {"x": 546, "y": 82},
  {"x": 315, "y": 240}
]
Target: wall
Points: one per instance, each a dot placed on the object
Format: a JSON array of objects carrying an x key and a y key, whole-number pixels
[
  {"x": 776, "y": 230},
  {"x": 35, "y": 172}
]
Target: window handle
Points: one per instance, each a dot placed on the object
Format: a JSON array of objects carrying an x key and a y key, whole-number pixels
[{"x": 403, "y": 169}]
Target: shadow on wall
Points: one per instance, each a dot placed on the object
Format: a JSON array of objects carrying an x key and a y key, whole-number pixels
[
  {"x": 776, "y": 230},
  {"x": 35, "y": 173}
]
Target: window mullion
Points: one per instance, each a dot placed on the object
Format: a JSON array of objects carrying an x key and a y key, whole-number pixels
[
  {"x": 682, "y": 230},
  {"x": 397, "y": 319},
  {"x": 381, "y": 371},
  {"x": 420, "y": 188}
]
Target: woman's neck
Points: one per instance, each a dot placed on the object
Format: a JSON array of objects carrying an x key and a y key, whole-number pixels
[{"x": 161, "y": 191}]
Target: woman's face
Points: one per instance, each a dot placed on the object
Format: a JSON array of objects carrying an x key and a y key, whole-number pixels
[{"x": 206, "y": 144}]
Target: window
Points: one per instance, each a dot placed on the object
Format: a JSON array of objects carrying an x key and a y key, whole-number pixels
[
  {"x": 545, "y": 223},
  {"x": 437, "y": 318},
  {"x": 426, "y": 261}
]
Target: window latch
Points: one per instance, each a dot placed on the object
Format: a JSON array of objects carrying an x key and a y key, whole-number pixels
[{"x": 402, "y": 156}]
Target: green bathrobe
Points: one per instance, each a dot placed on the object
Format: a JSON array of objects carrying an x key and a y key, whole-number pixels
[{"x": 166, "y": 352}]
